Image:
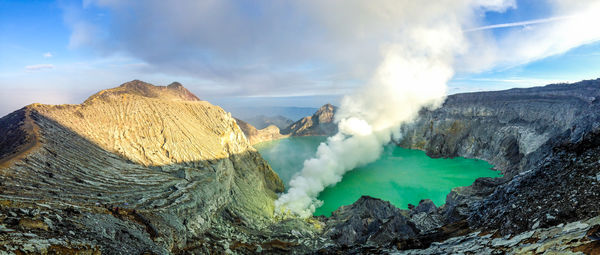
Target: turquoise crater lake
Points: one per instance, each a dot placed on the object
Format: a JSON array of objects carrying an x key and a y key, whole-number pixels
[{"x": 401, "y": 176}]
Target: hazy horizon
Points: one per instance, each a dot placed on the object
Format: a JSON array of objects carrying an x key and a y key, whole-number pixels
[{"x": 235, "y": 104}]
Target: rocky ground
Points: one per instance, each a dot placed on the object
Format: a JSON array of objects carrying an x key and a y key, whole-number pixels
[
  {"x": 578, "y": 237},
  {"x": 380, "y": 228}
]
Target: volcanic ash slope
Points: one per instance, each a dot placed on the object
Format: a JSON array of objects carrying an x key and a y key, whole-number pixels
[{"x": 134, "y": 168}]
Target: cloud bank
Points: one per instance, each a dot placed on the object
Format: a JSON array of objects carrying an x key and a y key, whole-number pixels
[{"x": 274, "y": 48}]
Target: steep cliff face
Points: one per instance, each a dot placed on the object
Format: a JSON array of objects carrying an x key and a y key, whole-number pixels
[
  {"x": 133, "y": 169},
  {"x": 505, "y": 128},
  {"x": 561, "y": 188},
  {"x": 320, "y": 123}
]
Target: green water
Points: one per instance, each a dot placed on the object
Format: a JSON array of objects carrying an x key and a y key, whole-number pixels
[{"x": 401, "y": 176}]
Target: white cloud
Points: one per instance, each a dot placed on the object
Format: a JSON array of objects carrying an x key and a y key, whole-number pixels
[
  {"x": 273, "y": 47},
  {"x": 571, "y": 24},
  {"x": 39, "y": 67},
  {"x": 48, "y": 55},
  {"x": 519, "y": 24}
]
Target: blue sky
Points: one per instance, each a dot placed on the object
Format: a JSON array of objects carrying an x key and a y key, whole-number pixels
[
  {"x": 272, "y": 52},
  {"x": 580, "y": 63}
]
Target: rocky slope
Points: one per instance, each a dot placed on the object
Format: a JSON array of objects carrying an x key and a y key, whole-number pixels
[
  {"x": 562, "y": 188},
  {"x": 255, "y": 135},
  {"x": 579, "y": 237},
  {"x": 138, "y": 168},
  {"x": 320, "y": 123},
  {"x": 373, "y": 226}
]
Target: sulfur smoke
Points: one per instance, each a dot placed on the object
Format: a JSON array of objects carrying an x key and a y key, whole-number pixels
[{"x": 415, "y": 67}]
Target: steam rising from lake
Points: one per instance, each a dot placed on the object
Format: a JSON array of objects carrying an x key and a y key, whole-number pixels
[{"x": 412, "y": 75}]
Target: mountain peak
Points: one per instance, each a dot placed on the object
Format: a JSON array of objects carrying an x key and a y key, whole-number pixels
[
  {"x": 325, "y": 113},
  {"x": 320, "y": 123},
  {"x": 326, "y": 108},
  {"x": 174, "y": 91},
  {"x": 136, "y": 84},
  {"x": 175, "y": 85}
]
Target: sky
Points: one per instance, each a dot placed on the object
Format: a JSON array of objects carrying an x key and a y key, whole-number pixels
[{"x": 273, "y": 53}]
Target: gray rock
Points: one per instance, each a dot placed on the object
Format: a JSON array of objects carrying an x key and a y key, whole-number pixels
[
  {"x": 369, "y": 221},
  {"x": 426, "y": 206}
]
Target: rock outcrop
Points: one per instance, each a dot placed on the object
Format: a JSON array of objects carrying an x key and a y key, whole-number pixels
[
  {"x": 369, "y": 221},
  {"x": 371, "y": 225},
  {"x": 138, "y": 168},
  {"x": 255, "y": 135},
  {"x": 320, "y": 123}
]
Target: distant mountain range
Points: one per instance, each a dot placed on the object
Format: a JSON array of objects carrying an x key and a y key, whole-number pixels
[
  {"x": 321, "y": 123},
  {"x": 292, "y": 113},
  {"x": 262, "y": 121}
]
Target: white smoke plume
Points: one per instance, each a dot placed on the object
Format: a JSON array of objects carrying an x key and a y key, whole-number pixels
[{"x": 412, "y": 75}]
